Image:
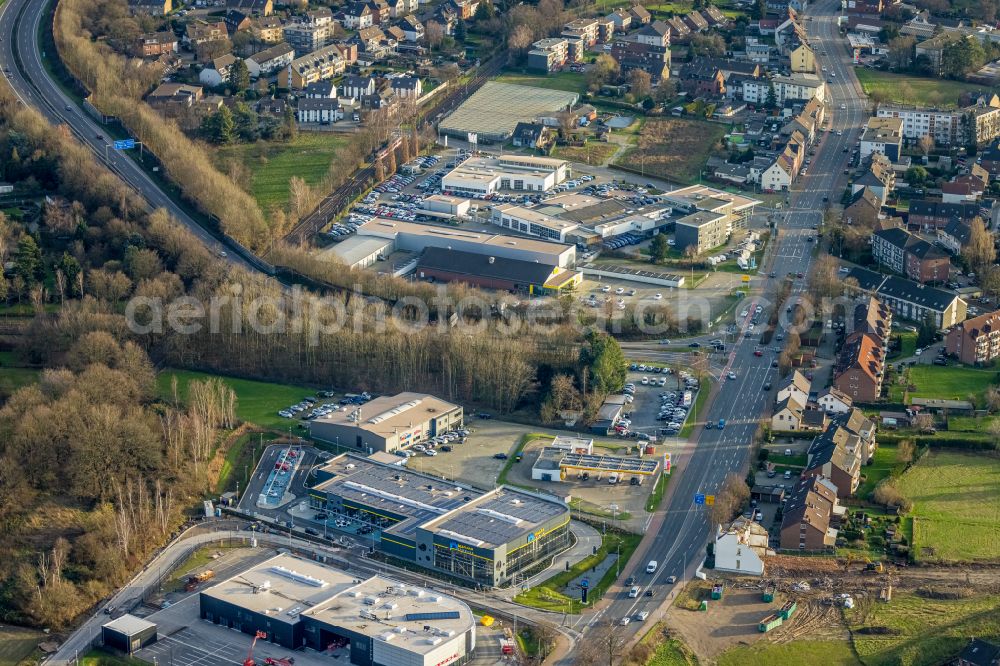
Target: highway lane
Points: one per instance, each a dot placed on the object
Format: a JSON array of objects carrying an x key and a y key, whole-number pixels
[
  {"x": 21, "y": 64},
  {"x": 680, "y": 541}
]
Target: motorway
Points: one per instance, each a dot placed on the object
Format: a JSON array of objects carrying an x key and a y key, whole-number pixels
[
  {"x": 21, "y": 64},
  {"x": 678, "y": 535}
]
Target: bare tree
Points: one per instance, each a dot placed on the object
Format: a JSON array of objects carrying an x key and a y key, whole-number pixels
[
  {"x": 980, "y": 251},
  {"x": 926, "y": 144},
  {"x": 433, "y": 34}
]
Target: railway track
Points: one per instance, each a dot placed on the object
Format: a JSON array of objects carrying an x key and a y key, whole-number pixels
[{"x": 337, "y": 201}]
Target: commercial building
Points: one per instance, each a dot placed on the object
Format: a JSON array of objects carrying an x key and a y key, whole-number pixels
[
  {"x": 492, "y": 112},
  {"x": 884, "y": 136},
  {"x": 709, "y": 215},
  {"x": 379, "y": 621},
  {"x": 479, "y": 176},
  {"x": 485, "y": 537},
  {"x": 412, "y": 237},
  {"x": 556, "y": 465},
  {"x": 447, "y": 206},
  {"x": 532, "y": 222},
  {"x": 490, "y": 272},
  {"x": 975, "y": 341},
  {"x": 388, "y": 423},
  {"x": 128, "y": 634}
]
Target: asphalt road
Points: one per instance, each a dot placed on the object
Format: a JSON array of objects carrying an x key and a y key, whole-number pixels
[
  {"x": 21, "y": 64},
  {"x": 679, "y": 543}
]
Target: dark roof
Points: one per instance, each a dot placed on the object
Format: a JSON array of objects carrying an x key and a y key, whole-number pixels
[
  {"x": 318, "y": 104},
  {"x": 958, "y": 230},
  {"x": 868, "y": 196},
  {"x": 404, "y": 82},
  {"x": 867, "y": 280},
  {"x": 485, "y": 266},
  {"x": 529, "y": 131},
  {"x": 924, "y": 250},
  {"x": 894, "y": 235},
  {"x": 324, "y": 88},
  {"x": 951, "y": 211},
  {"x": 919, "y": 294},
  {"x": 980, "y": 653},
  {"x": 813, "y": 418},
  {"x": 657, "y": 28}
]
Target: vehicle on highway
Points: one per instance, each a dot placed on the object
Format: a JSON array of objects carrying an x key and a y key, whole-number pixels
[
  {"x": 731, "y": 375},
  {"x": 634, "y": 592},
  {"x": 651, "y": 567},
  {"x": 625, "y": 620},
  {"x": 630, "y": 581},
  {"x": 671, "y": 580},
  {"x": 722, "y": 424},
  {"x": 641, "y": 616}
]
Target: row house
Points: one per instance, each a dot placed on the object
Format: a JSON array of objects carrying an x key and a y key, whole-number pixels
[
  {"x": 863, "y": 207},
  {"x": 590, "y": 31},
  {"x": 252, "y": 7},
  {"x": 413, "y": 29},
  {"x": 975, "y": 341},
  {"x": 270, "y": 60},
  {"x": 789, "y": 34},
  {"x": 680, "y": 33},
  {"x": 321, "y": 111},
  {"x": 884, "y": 136},
  {"x": 946, "y": 127},
  {"x": 319, "y": 65},
  {"x": 150, "y": 7},
  {"x": 236, "y": 21},
  {"x": 696, "y": 22},
  {"x": 647, "y": 49},
  {"x": 909, "y": 255},
  {"x": 835, "y": 455},
  {"x": 811, "y": 516},
  {"x": 786, "y": 167},
  {"x": 954, "y": 236},
  {"x": 990, "y": 159},
  {"x": 803, "y": 59},
  {"x": 934, "y": 214},
  {"x": 202, "y": 32},
  {"x": 356, "y": 87},
  {"x": 406, "y": 87},
  {"x": 910, "y": 300},
  {"x": 962, "y": 189}
]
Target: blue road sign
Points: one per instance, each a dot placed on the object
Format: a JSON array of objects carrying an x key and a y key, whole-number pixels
[
  {"x": 699, "y": 498},
  {"x": 585, "y": 583},
  {"x": 124, "y": 144}
]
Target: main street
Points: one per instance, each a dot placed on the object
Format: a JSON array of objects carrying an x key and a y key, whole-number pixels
[
  {"x": 677, "y": 537},
  {"x": 21, "y": 61}
]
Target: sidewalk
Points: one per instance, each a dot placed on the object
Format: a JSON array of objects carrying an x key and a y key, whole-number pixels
[{"x": 587, "y": 538}]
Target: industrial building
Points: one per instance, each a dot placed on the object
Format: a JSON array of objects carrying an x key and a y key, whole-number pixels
[
  {"x": 298, "y": 603},
  {"x": 389, "y": 423},
  {"x": 479, "y": 176},
  {"x": 498, "y": 273},
  {"x": 128, "y": 633},
  {"x": 481, "y": 537},
  {"x": 412, "y": 237}
]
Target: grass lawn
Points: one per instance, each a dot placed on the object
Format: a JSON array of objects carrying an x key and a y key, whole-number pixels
[
  {"x": 883, "y": 464},
  {"x": 258, "y": 402},
  {"x": 921, "y": 631},
  {"x": 765, "y": 653},
  {"x": 908, "y": 344},
  {"x": 196, "y": 560},
  {"x": 101, "y": 657},
  {"x": 548, "y": 595},
  {"x": 17, "y": 644},
  {"x": 905, "y": 89},
  {"x": 656, "y": 496},
  {"x": 668, "y": 651},
  {"x": 674, "y": 148},
  {"x": 272, "y": 164},
  {"x": 593, "y": 153},
  {"x": 569, "y": 81},
  {"x": 956, "y": 506},
  {"x": 953, "y": 382}
]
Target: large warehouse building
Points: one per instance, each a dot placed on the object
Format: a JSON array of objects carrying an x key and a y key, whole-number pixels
[
  {"x": 298, "y": 603},
  {"x": 482, "y": 537},
  {"x": 388, "y": 423},
  {"x": 492, "y": 112}
]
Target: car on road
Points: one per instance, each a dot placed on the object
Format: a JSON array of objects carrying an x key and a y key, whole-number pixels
[
  {"x": 722, "y": 424},
  {"x": 657, "y": 297},
  {"x": 671, "y": 580},
  {"x": 624, "y": 621},
  {"x": 630, "y": 581},
  {"x": 100, "y": 137},
  {"x": 731, "y": 375},
  {"x": 311, "y": 532},
  {"x": 767, "y": 386},
  {"x": 641, "y": 616},
  {"x": 758, "y": 353}
]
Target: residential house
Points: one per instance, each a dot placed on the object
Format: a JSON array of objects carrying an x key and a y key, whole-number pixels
[
  {"x": 836, "y": 455},
  {"x": 358, "y": 15},
  {"x": 270, "y": 60},
  {"x": 268, "y": 29},
  {"x": 217, "y": 71},
  {"x": 789, "y": 34},
  {"x": 640, "y": 15},
  {"x": 695, "y": 22},
  {"x": 318, "y": 16},
  {"x": 803, "y": 60},
  {"x": 902, "y": 252},
  {"x": 814, "y": 420},
  {"x": 356, "y": 87},
  {"x": 621, "y": 19},
  {"x": 879, "y": 177},
  {"x": 779, "y": 176},
  {"x": 798, "y": 86},
  {"x": 811, "y": 516},
  {"x": 252, "y": 7},
  {"x": 714, "y": 16},
  {"x": 236, "y": 21},
  {"x": 787, "y": 415},
  {"x": 975, "y": 341},
  {"x": 394, "y": 33},
  {"x": 932, "y": 214},
  {"x": 306, "y": 38},
  {"x": 653, "y": 58},
  {"x": 531, "y": 135},
  {"x": 873, "y": 317},
  {"x": 934, "y": 47},
  {"x": 656, "y": 33},
  {"x": 406, "y": 87},
  {"x": 465, "y": 9},
  {"x": 863, "y": 208},
  {"x": 680, "y": 33},
  {"x": 984, "y": 120},
  {"x": 990, "y": 159},
  {"x": 759, "y": 52},
  {"x": 373, "y": 42},
  {"x": 795, "y": 386},
  {"x": 319, "y": 111},
  {"x": 319, "y": 65},
  {"x": 862, "y": 430},
  {"x": 834, "y": 401},
  {"x": 155, "y": 44},
  {"x": 860, "y": 366},
  {"x": 911, "y": 300},
  {"x": 413, "y": 29},
  {"x": 946, "y": 127},
  {"x": 954, "y": 236},
  {"x": 271, "y": 106},
  {"x": 553, "y": 53},
  {"x": 741, "y": 548},
  {"x": 583, "y": 29},
  {"x": 201, "y": 32},
  {"x": 171, "y": 98},
  {"x": 962, "y": 188},
  {"x": 150, "y": 7},
  {"x": 325, "y": 89},
  {"x": 884, "y": 136}
]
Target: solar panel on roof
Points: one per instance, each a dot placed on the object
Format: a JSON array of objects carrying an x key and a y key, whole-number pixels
[{"x": 441, "y": 615}]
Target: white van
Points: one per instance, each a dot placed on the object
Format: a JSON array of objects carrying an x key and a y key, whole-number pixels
[
  {"x": 613, "y": 479},
  {"x": 651, "y": 567},
  {"x": 634, "y": 592}
]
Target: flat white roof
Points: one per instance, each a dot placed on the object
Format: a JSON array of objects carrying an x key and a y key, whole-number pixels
[
  {"x": 529, "y": 215},
  {"x": 130, "y": 625},
  {"x": 382, "y": 225},
  {"x": 357, "y": 248},
  {"x": 446, "y": 198},
  {"x": 388, "y": 414}
]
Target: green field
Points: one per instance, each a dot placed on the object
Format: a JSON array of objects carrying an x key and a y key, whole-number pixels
[
  {"x": 920, "y": 631},
  {"x": 594, "y": 153},
  {"x": 765, "y": 653},
  {"x": 915, "y": 90},
  {"x": 668, "y": 651},
  {"x": 100, "y": 657},
  {"x": 956, "y": 506},
  {"x": 673, "y": 148},
  {"x": 272, "y": 164},
  {"x": 568, "y": 81},
  {"x": 950, "y": 382},
  {"x": 259, "y": 402},
  {"x": 17, "y": 644},
  {"x": 883, "y": 464}
]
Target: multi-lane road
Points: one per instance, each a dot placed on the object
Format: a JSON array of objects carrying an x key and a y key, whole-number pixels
[
  {"x": 22, "y": 66},
  {"x": 678, "y": 536}
]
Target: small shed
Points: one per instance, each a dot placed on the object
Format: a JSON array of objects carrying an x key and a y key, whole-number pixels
[{"x": 128, "y": 633}]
